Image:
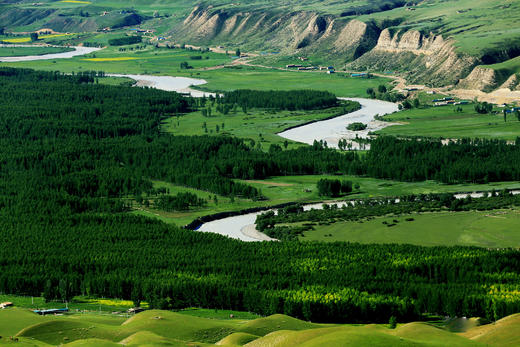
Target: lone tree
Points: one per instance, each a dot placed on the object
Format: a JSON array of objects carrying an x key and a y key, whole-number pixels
[
  {"x": 517, "y": 114},
  {"x": 2, "y": 31},
  {"x": 238, "y": 53},
  {"x": 34, "y": 37}
]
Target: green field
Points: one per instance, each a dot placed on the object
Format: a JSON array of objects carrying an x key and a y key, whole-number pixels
[
  {"x": 258, "y": 125},
  {"x": 155, "y": 327},
  {"x": 446, "y": 122},
  {"x": 284, "y": 189},
  {"x": 151, "y": 60},
  {"x": 269, "y": 79},
  {"x": 492, "y": 229},
  {"x": 36, "y": 50},
  {"x": 164, "y": 61}
]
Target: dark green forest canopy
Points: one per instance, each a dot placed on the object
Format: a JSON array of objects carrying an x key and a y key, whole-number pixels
[
  {"x": 71, "y": 148},
  {"x": 281, "y": 100}
]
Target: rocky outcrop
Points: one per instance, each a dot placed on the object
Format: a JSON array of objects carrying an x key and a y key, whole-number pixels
[
  {"x": 419, "y": 57},
  {"x": 480, "y": 78},
  {"x": 512, "y": 83},
  {"x": 364, "y": 46},
  {"x": 355, "y": 39}
]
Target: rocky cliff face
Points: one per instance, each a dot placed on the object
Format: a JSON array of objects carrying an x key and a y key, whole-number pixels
[
  {"x": 480, "y": 79},
  {"x": 421, "y": 58}
]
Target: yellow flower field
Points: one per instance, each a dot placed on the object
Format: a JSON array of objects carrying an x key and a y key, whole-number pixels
[
  {"x": 76, "y": 1},
  {"x": 28, "y": 39},
  {"x": 110, "y": 59}
]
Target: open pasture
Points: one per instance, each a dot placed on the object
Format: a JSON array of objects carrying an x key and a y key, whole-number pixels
[
  {"x": 158, "y": 327},
  {"x": 447, "y": 122},
  {"x": 6, "y": 51},
  {"x": 284, "y": 189},
  {"x": 492, "y": 229}
]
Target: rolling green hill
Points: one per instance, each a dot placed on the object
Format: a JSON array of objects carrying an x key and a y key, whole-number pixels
[{"x": 157, "y": 328}]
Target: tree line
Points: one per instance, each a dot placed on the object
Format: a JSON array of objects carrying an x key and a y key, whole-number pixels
[
  {"x": 71, "y": 150},
  {"x": 360, "y": 209}
]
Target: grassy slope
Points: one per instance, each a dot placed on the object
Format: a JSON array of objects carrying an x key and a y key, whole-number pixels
[
  {"x": 480, "y": 25},
  {"x": 447, "y": 123},
  {"x": 494, "y": 229},
  {"x": 476, "y": 25},
  {"x": 162, "y": 327},
  {"x": 507, "y": 68}
]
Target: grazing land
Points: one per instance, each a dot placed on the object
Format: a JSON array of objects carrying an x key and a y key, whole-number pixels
[
  {"x": 448, "y": 122},
  {"x": 102, "y": 183},
  {"x": 147, "y": 59},
  {"x": 199, "y": 328},
  {"x": 6, "y": 51},
  {"x": 259, "y": 125},
  {"x": 492, "y": 229}
]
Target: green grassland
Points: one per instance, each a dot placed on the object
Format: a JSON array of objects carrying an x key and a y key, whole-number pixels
[
  {"x": 258, "y": 125},
  {"x": 165, "y": 61},
  {"x": 150, "y": 60},
  {"x": 36, "y": 50},
  {"x": 446, "y": 122},
  {"x": 270, "y": 79},
  {"x": 476, "y": 25},
  {"x": 284, "y": 189},
  {"x": 506, "y": 68},
  {"x": 492, "y": 229},
  {"x": 155, "y": 327}
]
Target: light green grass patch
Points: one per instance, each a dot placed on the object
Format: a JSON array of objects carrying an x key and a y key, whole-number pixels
[
  {"x": 7, "y": 51},
  {"x": 492, "y": 229},
  {"x": 446, "y": 122},
  {"x": 261, "y": 126}
]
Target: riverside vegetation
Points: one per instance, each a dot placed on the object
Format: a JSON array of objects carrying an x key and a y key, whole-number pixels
[{"x": 72, "y": 162}]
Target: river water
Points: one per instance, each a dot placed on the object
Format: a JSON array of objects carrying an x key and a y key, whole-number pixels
[
  {"x": 76, "y": 52},
  {"x": 168, "y": 83},
  {"x": 243, "y": 227},
  {"x": 335, "y": 129}
]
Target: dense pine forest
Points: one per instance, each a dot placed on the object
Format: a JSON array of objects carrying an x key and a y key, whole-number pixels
[{"x": 71, "y": 149}]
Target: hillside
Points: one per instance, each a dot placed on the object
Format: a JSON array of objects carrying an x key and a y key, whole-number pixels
[
  {"x": 157, "y": 327},
  {"x": 434, "y": 42}
]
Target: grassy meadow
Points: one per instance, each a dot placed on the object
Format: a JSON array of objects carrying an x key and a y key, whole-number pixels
[
  {"x": 284, "y": 189},
  {"x": 216, "y": 327},
  {"x": 133, "y": 59},
  {"x": 446, "y": 122},
  {"x": 491, "y": 229},
  {"x": 7, "y": 51},
  {"x": 261, "y": 126},
  {"x": 270, "y": 79}
]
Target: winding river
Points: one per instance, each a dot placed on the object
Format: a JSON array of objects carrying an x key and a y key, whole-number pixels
[
  {"x": 76, "y": 52},
  {"x": 242, "y": 227},
  {"x": 168, "y": 83},
  {"x": 333, "y": 130}
]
